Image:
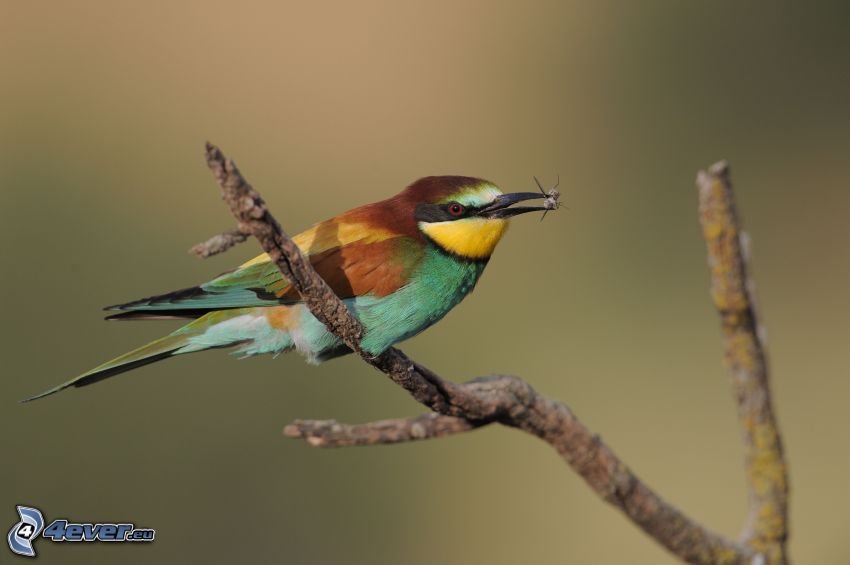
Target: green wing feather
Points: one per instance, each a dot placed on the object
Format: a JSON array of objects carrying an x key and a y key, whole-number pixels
[
  {"x": 258, "y": 282},
  {"x": 347, "y": 268},
  {"x": 254, "y": 285}
]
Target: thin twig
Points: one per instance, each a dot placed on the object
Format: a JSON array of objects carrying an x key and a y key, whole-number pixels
[
  {"x": 330, "y": 433},
  {"x": 733, "y": 294},
  {"x": 505, "y": 399},
  {"x": 219, "y": 243}
]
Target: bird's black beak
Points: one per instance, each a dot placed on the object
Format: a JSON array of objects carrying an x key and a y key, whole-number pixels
[{"x": 500, "y": 207}]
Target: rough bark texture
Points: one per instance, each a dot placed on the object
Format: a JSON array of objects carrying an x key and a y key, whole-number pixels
[
  {"x": 510, "y": 401},
  {"x": 733, "y": 293},
  {"x": 219, "y": 243},
  {"x": 330, "y": 433}
]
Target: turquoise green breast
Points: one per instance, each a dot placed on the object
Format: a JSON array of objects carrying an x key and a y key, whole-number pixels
[{"x": 436, "y": 286}]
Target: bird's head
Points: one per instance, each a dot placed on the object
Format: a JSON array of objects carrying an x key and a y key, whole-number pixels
[{"x": 465, "y": 216}]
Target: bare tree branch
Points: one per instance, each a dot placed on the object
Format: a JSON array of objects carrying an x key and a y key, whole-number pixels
[
  {"x": 504, "y": 399},
  {"x": 330, "y": 433},
  {"x": 733, "y": 293},
  {"x": 253, "y": 217},
  {"x": 219, "y": 243}
]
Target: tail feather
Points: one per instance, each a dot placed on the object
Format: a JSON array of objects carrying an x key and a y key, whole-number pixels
[
  {"x": 150, "y": 353},
  {"x": 178, "y": 342}
]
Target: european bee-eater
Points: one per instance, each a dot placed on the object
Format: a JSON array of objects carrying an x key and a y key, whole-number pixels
[{"x": 399, "y": 264}]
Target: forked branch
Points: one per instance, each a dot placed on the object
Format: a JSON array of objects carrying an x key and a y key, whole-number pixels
[{"x": 458, "y": 408}]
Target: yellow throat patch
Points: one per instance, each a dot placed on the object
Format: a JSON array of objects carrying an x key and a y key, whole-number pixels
[{"x": 473, "y": 238}]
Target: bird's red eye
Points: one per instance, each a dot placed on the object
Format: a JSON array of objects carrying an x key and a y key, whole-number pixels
[{"x": 456, "y": 209}]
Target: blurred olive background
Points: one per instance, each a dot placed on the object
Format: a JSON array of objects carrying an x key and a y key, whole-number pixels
[{"x": 326, "y": 106}]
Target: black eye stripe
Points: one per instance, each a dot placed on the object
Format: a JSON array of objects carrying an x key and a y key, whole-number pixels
[
  {"x": 468, "y": 210},
  {"x": 440, "y": 212}
]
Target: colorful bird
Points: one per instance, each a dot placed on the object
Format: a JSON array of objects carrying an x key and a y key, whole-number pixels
[{"x": 399, "y": 265}]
